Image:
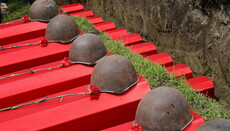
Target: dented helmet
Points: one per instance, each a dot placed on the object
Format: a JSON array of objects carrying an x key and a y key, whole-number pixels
[
  {"x": 163, "y": 109},
  {"x": 62, "y": 29},
  {"x": 43, "y": 10},
  {"x": 87, "y": 49},
  {"x": 114, "y": 74},
  {"x": 215, "y": 125}
]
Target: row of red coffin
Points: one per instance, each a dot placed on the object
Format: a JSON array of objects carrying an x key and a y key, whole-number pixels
[{"x": 76, "y": 112}]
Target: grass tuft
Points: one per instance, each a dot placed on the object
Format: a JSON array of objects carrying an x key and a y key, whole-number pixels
[
  {"x": 83, "y": 23},
  {"x": 17, "y": 8}
]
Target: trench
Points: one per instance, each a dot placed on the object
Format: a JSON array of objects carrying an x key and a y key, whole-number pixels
[{"x": 195, "y": 33}]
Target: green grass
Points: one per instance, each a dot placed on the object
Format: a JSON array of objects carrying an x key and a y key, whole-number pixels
[
  {"x": 156, "y": 74},
  {"x": 83, "y": 24},
  {"x": 17, "y": 8}
]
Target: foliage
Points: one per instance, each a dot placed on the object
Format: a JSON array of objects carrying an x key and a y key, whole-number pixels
[{"x": 17, "y": 8}]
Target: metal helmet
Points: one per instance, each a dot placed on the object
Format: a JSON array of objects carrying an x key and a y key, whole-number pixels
[
  {"x": 215, "y": 125},
  {"x": 62, "y": 29},
  {"x": 87, "y": 49},
  {"x": 114, "y": 74},
  {"x": 43, "y": 10},
  {"x": 163, "y": 109}
]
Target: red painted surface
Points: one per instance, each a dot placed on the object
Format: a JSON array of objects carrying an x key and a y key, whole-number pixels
[
  {"x": 116, "y": 33},
  {"x": 28, "y": 56},
  {"x": 145, "y": 48},
  {"x": 95, "y": 19},
  {"x": 27, "y": 110},
  {"x": 105, "y": 26},
  {"x": 32, "y": 56},
  {"x": 203, "y": 85},
  {"x": 33, "y": 40},
  {"x": 122, "y": 127},
  {"x": 180, "y": 70},
  {"x": 161, "y": 58},
  {"x": 85, "y": 13},
  {"x": 129, "y": 39},
  {"x": 23, "y": 88},
  {"x": 72, "y": 7},
  {"x": 198, "y": 120},
  {"x": 78, "y": 114},
  {"x": 66, "y": 8},
  {"x": 22, "y": 32},
  {"x": 11, "y": 23}
]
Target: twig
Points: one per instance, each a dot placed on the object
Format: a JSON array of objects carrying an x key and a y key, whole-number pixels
[{"x": 43, "y": 100}]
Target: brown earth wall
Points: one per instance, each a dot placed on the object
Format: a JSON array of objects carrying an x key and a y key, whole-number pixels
[{"x": 194, "y": 32}]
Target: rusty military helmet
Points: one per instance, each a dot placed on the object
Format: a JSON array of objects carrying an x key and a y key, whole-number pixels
[
  {"x": 87, "y": 49},
  {"x": 163, "y": 109},
  {"x": 114, "y": 74},
  {"x": 62, "y": 29},
  {"x": 43, "y": 10},
  {"x": 215, "y": 125}
]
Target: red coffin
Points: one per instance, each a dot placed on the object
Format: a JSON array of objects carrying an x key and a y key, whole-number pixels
[{"x": 79, "y": 113}]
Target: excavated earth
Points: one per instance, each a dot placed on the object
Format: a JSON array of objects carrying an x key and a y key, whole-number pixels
[{"x": 194, "y": 32}]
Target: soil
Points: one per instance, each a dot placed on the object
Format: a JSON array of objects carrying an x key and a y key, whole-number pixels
[{"x": 194, "y": 32}]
